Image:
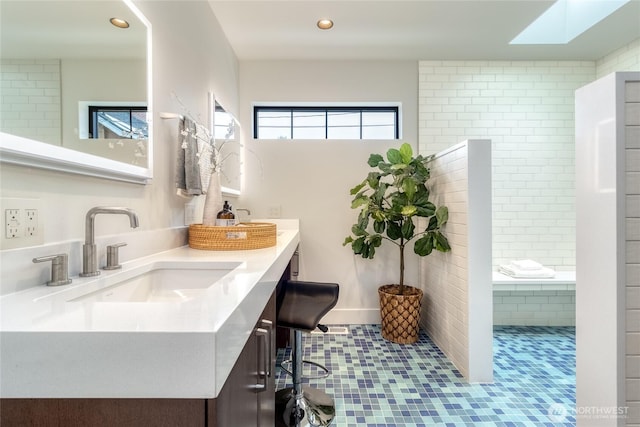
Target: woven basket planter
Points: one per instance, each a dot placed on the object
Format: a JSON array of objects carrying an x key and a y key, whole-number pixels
[{"x": 400, "y": 314}]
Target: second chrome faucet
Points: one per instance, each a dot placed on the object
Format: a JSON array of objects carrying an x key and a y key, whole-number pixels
[{"x": 89, "y": 253}]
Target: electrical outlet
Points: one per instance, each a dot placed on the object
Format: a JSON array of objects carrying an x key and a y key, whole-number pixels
[
  {"x": 23, "y": 223},
  {"x": 31, "y": 222},
  {"x": 275, "y": 211},
  {"x": 13, "y": 224}
]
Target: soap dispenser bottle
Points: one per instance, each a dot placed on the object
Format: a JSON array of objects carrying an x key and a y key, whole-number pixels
[{"x": 226, "y": 217}]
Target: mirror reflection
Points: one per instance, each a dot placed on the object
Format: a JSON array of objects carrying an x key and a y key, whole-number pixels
[
  {"x": 73, "y": 79},
  {"x": 227, "y": 139}
]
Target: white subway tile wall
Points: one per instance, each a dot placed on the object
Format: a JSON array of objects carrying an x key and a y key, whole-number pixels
[
  {"x": 457, "y": 288},
  {"x": 534, "y": 308},
  {"x": 632, "y": 193},
  {"x": 627, "y": 58},
  {"x": 30, "y": 103},
  {"x": 527, "y": 109},
  {"x": 445, "y": 307}
]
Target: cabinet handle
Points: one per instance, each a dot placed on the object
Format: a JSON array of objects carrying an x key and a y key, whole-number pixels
[
  {"x": 262, "y": 334},
  {"x": 268, "y": 325}
]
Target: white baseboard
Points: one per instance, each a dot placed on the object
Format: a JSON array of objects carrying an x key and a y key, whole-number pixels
[{"x": 352, "y": 316}]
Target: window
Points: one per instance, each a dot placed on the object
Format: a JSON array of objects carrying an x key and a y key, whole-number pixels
[
  {"x": 326, "y": 122},
  {"x": 118, "y": 122}
]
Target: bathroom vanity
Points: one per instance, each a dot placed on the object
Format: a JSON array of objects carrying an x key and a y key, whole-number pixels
[{"x": 151, "y": 344}]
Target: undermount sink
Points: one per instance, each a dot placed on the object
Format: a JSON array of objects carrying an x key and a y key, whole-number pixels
[{"x": 160, "y": 284}]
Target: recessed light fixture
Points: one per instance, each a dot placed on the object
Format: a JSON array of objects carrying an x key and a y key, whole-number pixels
[
  {"x": 325, "y": 24},
  {"x": 119, "y": 22}
]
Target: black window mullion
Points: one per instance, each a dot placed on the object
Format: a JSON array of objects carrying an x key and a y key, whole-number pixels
[
  {"x": 326, "y": 124},
  {"x": 326, "y": 110}
]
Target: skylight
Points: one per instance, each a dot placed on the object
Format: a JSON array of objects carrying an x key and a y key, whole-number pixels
[{"x": 567, "y": 19}]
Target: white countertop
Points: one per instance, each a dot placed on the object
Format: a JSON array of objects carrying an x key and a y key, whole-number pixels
[{"x": 53, "y": 347}]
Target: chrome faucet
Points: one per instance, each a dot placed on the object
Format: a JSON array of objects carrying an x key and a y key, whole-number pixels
[{"x": 89, "y": 255}]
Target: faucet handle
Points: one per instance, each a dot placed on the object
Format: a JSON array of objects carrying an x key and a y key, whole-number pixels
[
  {"x": 112, "y": 256},
  {"x": 59, "y": 269}
]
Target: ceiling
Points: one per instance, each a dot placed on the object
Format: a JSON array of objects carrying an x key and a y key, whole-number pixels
[
  {"x": 69, "y": 29},
  {"x": 410, "y": 30}
]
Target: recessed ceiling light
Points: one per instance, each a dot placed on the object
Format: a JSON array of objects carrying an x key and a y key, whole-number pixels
[
  {"x": 325, "y": 24},
  {"x": 119, "y": 22}
]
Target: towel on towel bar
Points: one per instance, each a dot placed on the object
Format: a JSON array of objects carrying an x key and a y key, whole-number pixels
[{"x": 188, "y": 179}]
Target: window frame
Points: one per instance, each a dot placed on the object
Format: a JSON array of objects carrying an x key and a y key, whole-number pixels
[
  {"x": 394, "y": 108},
  {"x": 93, "y": 111}
]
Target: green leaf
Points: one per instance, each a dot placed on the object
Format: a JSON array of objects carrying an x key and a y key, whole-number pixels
[
  {"x": 370, "y": 252},
  {"x": 442, "y": 213},
  {"x": 394, "y": 156},
  {"x": 373, "y": 179},
  {"x": 398, "y": 166},
  {"x": 384, "y": 167},
  {"x": 358, "y": 245},
  {"x": 409, "y": 210},
  {"x": 393, "y": 230},
  {"x": 376, "y": 240},
  {"x": 378, "y": 196},
  {"x": 358, "y": 187},
  {"x": 358, "y": 231},
  {"x": 374, "y": 159},
  {"x": 363, "y": 221},
  {"x": 442, "y": 244},
  {"x": 425, "y": 209},
  {"x": 347, "y": 240},
  {"x": 423, "y": 246},
  {"x": 378, "y": 216},
  {"x": 433, "y": 224},
  {"x": 379, "y": 226},
  {"x": 407, "y": 229},
  {"x": 410, "y": 187},
  {"x": 406, "y": 153},
  {"x": 359, "y": 201}
]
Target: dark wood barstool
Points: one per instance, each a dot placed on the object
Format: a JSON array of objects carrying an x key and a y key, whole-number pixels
[{"x": 300, "y": 306}]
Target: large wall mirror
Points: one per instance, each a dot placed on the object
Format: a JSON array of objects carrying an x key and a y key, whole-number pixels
[
  {"x": 76, "y": 87},
  {"x": 226, "y": 137}
]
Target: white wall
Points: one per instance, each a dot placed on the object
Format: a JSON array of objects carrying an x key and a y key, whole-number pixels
[
  {"x": 311, "y": 180},
  {"x": 190, "y": 57},
  {"x": 526, "y": 109},
  {"x": 457, "y": 308}
]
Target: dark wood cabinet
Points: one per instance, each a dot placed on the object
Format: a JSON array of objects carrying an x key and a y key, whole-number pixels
[
  {"x": 248, "y": 396},
  {"x": 246, "y": 400}
]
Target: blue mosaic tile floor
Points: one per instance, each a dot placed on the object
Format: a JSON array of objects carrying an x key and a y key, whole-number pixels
[{"x": 376, "y": 383}]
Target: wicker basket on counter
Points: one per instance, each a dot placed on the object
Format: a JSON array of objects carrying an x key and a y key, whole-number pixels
[{"x": 246, "y": 235}]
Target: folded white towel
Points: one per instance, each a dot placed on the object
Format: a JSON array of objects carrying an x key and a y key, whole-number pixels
[
  {"x": 513, "y": 271},
  {"x": 527, "y": 264}
]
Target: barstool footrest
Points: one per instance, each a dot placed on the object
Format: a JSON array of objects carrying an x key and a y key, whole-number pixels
[
  {"x": 325, "y": 374},
  {"x": 313, "y": 408}
]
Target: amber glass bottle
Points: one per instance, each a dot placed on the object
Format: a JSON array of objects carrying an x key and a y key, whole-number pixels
[{"x": 226, "y": 217}]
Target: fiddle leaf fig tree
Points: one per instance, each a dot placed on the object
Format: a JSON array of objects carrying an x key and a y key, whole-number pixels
[{"x": 389, "y": 199}]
